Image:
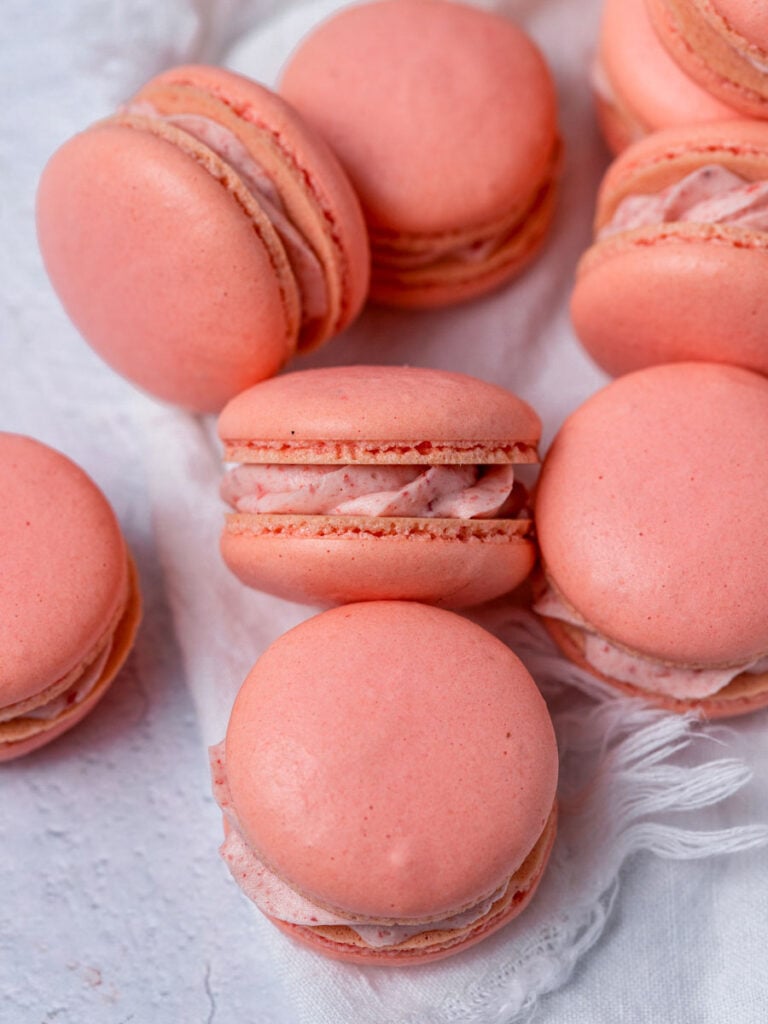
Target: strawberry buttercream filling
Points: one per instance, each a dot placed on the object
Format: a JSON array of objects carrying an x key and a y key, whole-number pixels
[
  {"x": 680, "y": 682},
  {"x": 708, "y": 195},
  {"x": 455, "y": 492},
  {"x": 75, "y": 694},
  {"x": 278, "y": 900},
  {"x": 305, "y": 264}
]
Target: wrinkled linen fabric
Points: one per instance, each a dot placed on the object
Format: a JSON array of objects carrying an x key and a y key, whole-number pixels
[{"x": 682, "y": 942}]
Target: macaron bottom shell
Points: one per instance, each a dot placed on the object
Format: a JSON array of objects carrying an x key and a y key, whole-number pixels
[
  {"x": 336, "y": 560},
  {"x": 339, "y": 942},
  {"x": 673, "y": 293},
  {"x": 46, "y": 731},
  {"x": 746, "y": 693}
]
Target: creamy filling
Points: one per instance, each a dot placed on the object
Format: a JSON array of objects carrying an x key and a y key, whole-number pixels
[
  {"x": 391, "y": 254},
  {"x": 304, "y": 263},
  {"x": 454, "y": 492},
  {"x": 278, "y": 900},
  {"x": 645, "y": 673},
  {"x": 73, "y": 695},
  {"x": 469, "y": 253},
  {"x": 708, "y": 195}
]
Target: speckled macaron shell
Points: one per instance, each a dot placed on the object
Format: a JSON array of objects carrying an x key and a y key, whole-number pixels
[
  {"x": 427, "y": 749},
  {"x": 434, "y": 163},
  {"x": 650, "y": 514},
  {"x": 68, "y": 586},
  {"x": 722, "y": 44},
  {"x": 164, "y": 259},
  {"x": 378, "y": 415},
  {"x": 681, "y": 290},
  {"x": 648, "y": 90}
]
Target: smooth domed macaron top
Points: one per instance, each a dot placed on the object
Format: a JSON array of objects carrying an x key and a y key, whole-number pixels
[
  {"x": 64, "y": 567},
  {"x": 369, "y": 403},
  {"x": 650, "y": 513},
  {"x": 645, "y": 75},
  {"x": 391, "y": 760},
  {"x": 443, "y": 115},
  {"x": 667, "y": 156}
]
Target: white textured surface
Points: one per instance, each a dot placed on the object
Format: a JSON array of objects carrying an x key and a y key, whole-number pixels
[{"x": 115, "y": 907}]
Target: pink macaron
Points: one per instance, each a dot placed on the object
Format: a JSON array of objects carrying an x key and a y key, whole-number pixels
[
  {"x": 388, "y": 784},
  {"x": 69, "y": 599},
  {"x": 378, "y": 482},
  {"x": 202, "y": 235},
  {"x": 722, "y": 44},
  {"x": 638, "y": 86},
  {"x": 650, "y": 514},
  {"x": 444, "y": 117},
  {"x": 679, "y": 266}
]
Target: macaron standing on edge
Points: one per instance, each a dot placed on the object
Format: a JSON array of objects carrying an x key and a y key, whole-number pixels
[
  {"x": 202, "y": 235},
  {"x": 679, "y": 267},
  {"x": 431, "y": 762},
  {"x": 638, "y": 86},
  {"x": 69, "y": 598},
  {"x": 378, "y": 482},
  {"x": 722, "y": 44},
  {"x": 444, "y": 117},
  {"x": 650, "y": 513}
]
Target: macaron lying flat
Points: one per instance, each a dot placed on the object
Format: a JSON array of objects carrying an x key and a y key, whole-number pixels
[
  {"x": 638, "y": 86},
  {"x": 444, "y": 117},
  {"x": 388, "y": 784},
  {"x": 722, "y": 44},
  {"x": 201, "y": 236},
  {"x": 69, "y": 599},
  {"x": 679, "y": 265},
  {"x": 368, "y": 483},
  {"x": 650, "y": 514}
]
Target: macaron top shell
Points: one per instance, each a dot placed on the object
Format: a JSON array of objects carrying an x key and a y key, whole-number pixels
[
  {"x": 65, "y": 569},
  {"x": 650, "y": 513},
  {"x": 408, "y": 407},
  {"x": 391, "y": 761},
  {"x": 456, "y": 103}
]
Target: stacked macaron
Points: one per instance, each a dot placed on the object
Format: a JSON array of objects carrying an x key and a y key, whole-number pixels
[
  {"x": 388, "y": 784},
  {"x": 682, "y": 216},
  {"x": 69, "y": 598},
  {"x": 457, "y": 182},
  {"x": 367, "y": 483},
  {"x": 650, "y": 512},
  {"x": 664, "y": 63},
  {"x": 201, "y": 235}
]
